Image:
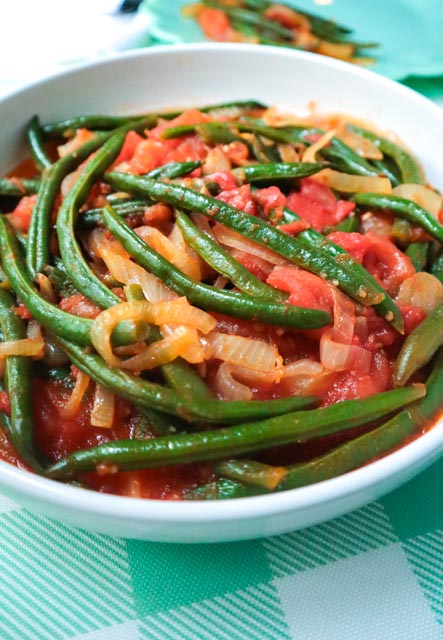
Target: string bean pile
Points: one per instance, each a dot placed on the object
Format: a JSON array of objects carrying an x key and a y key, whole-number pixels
[
  {"x": 215, "y": 303},
  {"x": 277, "y": 24}
]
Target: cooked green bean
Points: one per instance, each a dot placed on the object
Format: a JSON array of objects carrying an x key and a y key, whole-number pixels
[
  {"x": 251, "y": 472},
  {"x": 238, "y": 439},
  {"x": 18, "y": 385},
  {"x": 366, "y": 292},
  {"x": 222, "y": 262},
  {"x": 276, "y": 171},
  {"x": 95, "y": 122},
  {"x": 79, "y": 271},
  {"x": 34, "y": 135},
  {"x": 210, "y": 298},
  {"x": 437, "y": 265},
  {"x": 419, "y": 346},
  {"x": 403, "y": 208},
  {"x": 418, "y": 253},
  {"x": 19, "y": 186}
]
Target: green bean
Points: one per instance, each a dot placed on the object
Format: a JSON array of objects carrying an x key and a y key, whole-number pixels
[
  {"x": 79, "y": 271},
  {"x": 224, "y": 489},
  {"x": 61, "y": 127},
  {"x": 19, "y": 186},
  {"x": 276, "y": 171},
  {"x": 194, "y": 410},
  {"x": 403, "y": 208},
  {"x": 229, "y": 302},
  {"x": 419, "y": 346},
  {"x": 125, "y": 208},
  {"x": 34, "y": 136},
  {"x": 222, "y": 262},
  {"x": 251, "y": 472},
  {"x": 437, "y": 266},
  {"x": 222, "y": 107},
  {"x": 389, "y": 169},
  {"x": 19, "y": 385},
  {"x": 48, "y": 315},
  {"x": 418, "y": 253},
  {"x": 410, "y": 171},
  {"x": 366, "y": 291},
  {"x": 236, "y": 440},
  {"x": 38, "y": 251},
  {"x": 173, "y": 170}
]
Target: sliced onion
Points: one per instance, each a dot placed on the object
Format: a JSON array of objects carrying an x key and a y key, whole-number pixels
[
  {"x": 170, "y": 251},
  {"x": 423, "y": 290},
  {"x": 33, "y": 345},
  {"x": 103, "y": 409},
  {"x": 72, "y": 406},
  {"x": 425, "y": 197},
  {"x": 335, "y": 356},
  {"x": 310, "y": 154},
  {"x": 341, "y": 51},
  {"x": 349, "y": 183},
  {"x": 230, "y": 238},
  {"x": 246, "y": 352},
  {"x": 288, "y": 153},
  {"x": 302, "y": 367},
  {"x": 344, "y": 317},
  {"x": 215, "y": 161},
  {"x": 102, "y": 244},
  {"x": 162, "y": 351},
  {"x": 177, "y": 311},
  {"x": 361, "y": 145},
  {"x": 227, "y": 387},
  {"x": 127, "y": 272},
  {"x": 194, "y": 353},
  {"x": 81, "y": 136},
  {"x": 255, "y": 377}
]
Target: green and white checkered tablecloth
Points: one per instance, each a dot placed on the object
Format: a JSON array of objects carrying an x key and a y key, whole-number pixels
[{"x": 374, "y": 574}]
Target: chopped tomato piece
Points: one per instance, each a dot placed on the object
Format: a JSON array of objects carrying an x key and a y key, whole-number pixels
[
  {"x": 317, "y": 204},
  {"x": 240, "y": 198},
  {"x": 21, "y": 311},
  {"x": 378, "y": 255},
  {"x": 130, "y": 144},
  {"x": 5, "y": 405},
  {"x": 79, "y": 305},
  {"x": 214, "y": 24},
  {"x": 271, "y": 200},
  {"x": 21, "y": 216},
  {"x": 147, "y": 155},
  {"x": 189, "y": 149},
  {"x": 306, "y": 289},
  {"x": 259, "y": 267},
  {"x": 224, "y": 179},
  {"x": 294, "y": 228}
]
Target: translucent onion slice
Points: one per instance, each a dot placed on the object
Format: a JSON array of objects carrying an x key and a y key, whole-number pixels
[
  {"x": 72, "y": 406},
  {"x": 311, "y": 152},
  {"x": 103, "y": 409},
  {"x": 101, "y": 243},
  {"x": 348, "y": 183},
  {"x": 170, "y": 251},
  {"x": 163, "y": 351},
  {"x": 33, "y": 345},
  {"x": 253, "y": 377},
  {"x": 302, "y": 367},
  {"x": 127, "y": 272},
  {"x": 177, "y": 311},
  {"x": 246, "y": 352},
  {"x": 361, "y": 145},
  {"x": 344, "y": 317},
  {"x": 216, "y": 160},
  {"x": 194, "y": 353},
  {"x": 335, "y": 356},
  {"x": 421, "y": 290},
  {"x": 230, "y": 238},
  {"x": 425, "y": 197},
  {"x": 227, "y": 387}
]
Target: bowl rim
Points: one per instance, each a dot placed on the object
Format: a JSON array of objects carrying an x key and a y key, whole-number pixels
[{"x": 424, "y": 449}]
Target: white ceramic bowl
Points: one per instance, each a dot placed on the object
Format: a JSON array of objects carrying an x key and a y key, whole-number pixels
[{"x": 170, "y": 77}]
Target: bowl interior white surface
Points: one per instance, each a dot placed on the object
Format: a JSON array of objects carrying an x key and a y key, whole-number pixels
[{"x": 192, "y": 75}]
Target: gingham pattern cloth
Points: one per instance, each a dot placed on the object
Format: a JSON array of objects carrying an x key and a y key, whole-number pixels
[{"x": 374, "y": 574}]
